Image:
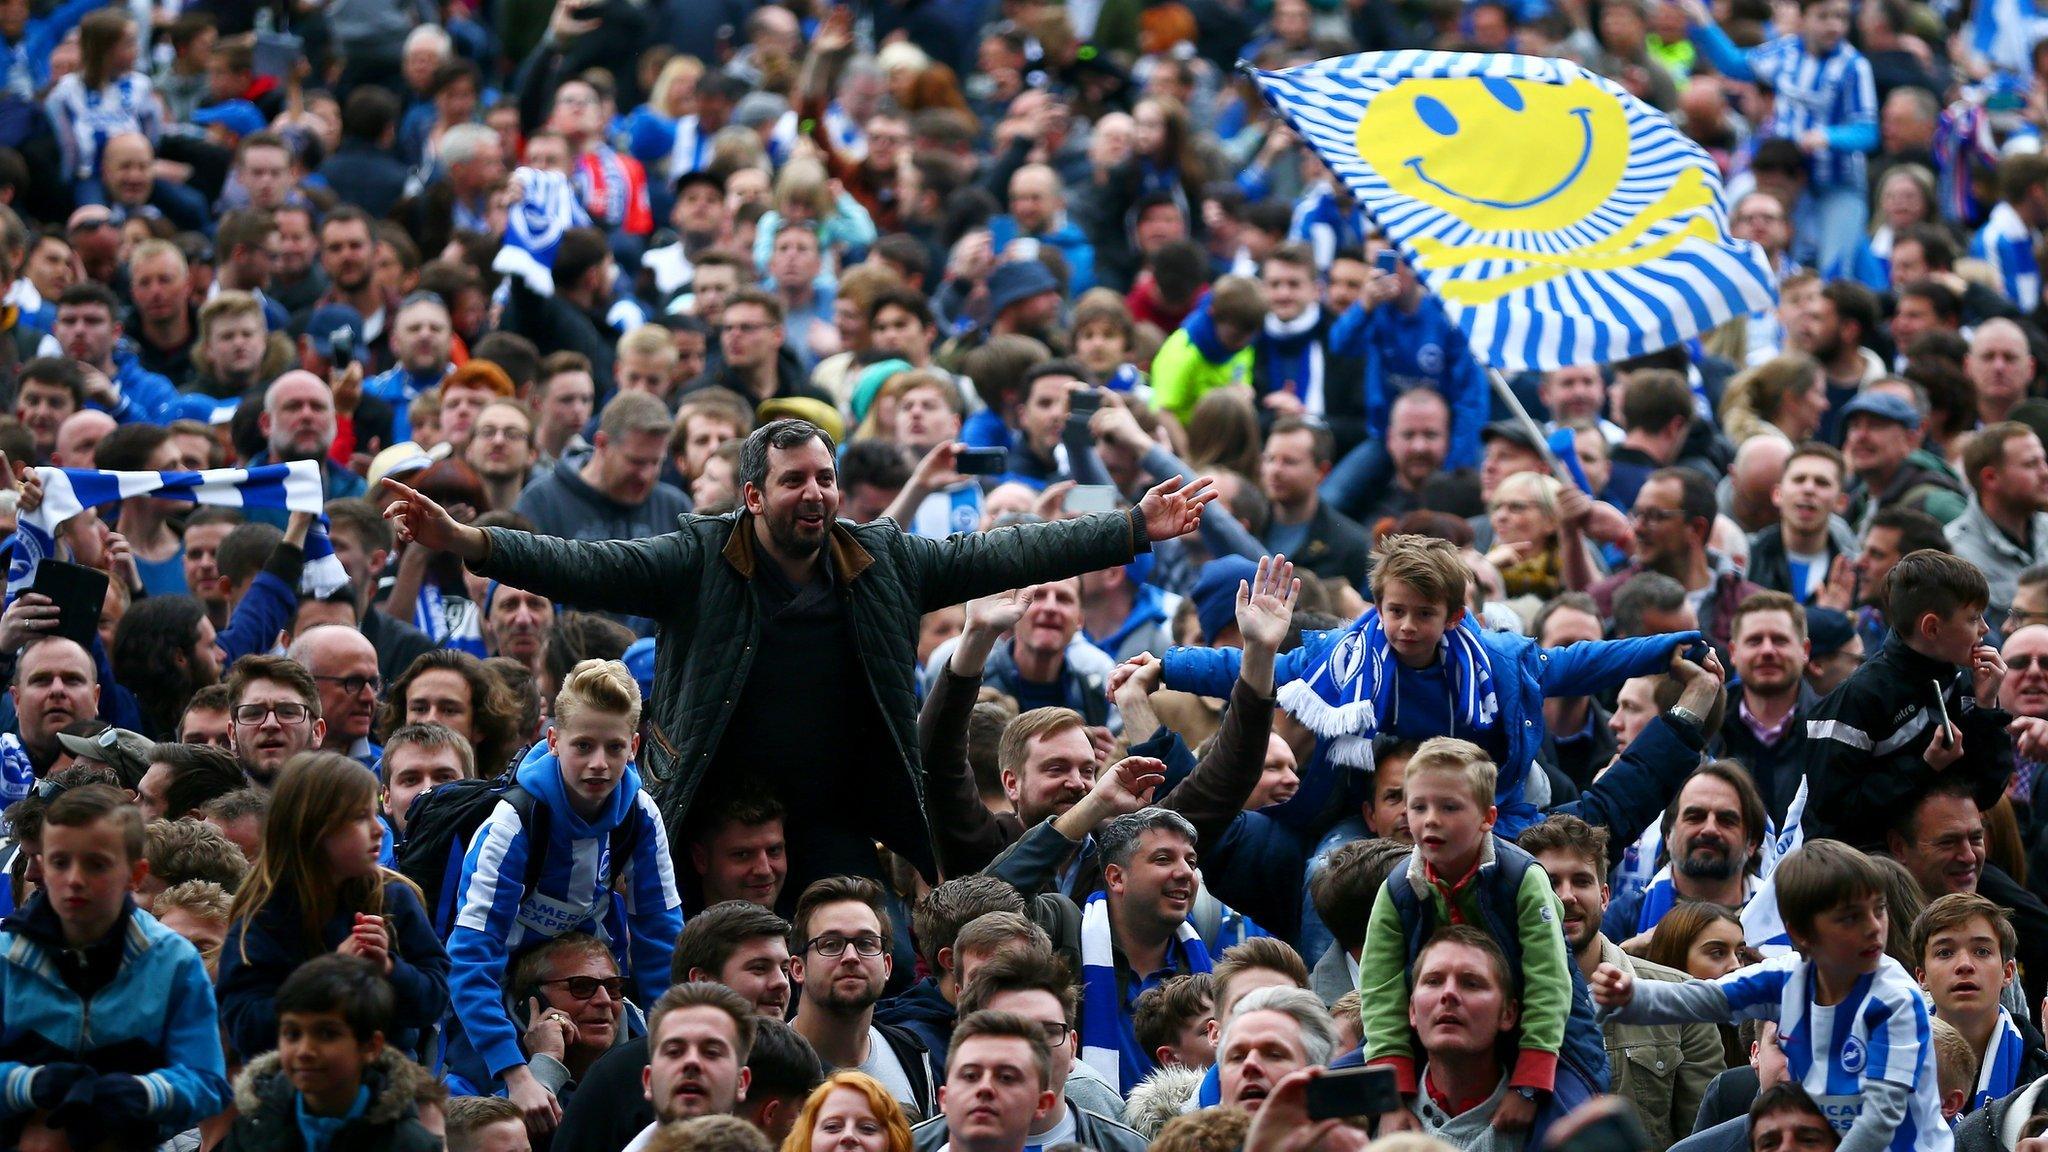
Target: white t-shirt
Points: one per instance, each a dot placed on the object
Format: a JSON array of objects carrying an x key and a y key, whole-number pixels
[{"x": 883, "y": 1066}]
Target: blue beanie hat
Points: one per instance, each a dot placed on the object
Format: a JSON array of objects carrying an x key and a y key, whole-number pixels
[
  {"x": 1215, "y": 593},
  {"x": 639, "y": 660}
]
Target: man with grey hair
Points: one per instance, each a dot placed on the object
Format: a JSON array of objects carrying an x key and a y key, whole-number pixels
[
  {"x": 1650, "y": 604},
  {"x": 1271, "y": 1033},
  {"x": 471, "y": 164},
  {"x": 298, "y": 424}
]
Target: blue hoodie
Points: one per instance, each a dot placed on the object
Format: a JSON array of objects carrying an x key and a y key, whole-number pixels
[
  {"x": 146, "y": 398},
  {"x": 399, "y": 387},
  {"x": 496, "y": 919}
]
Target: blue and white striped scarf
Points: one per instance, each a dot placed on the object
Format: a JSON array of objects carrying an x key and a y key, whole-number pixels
[
  {"x": 1763, "y": 926},
  {"x": 2000, "y": 1073},
  {"x": 1347, "y": 697},
  {"x": 548, "y": 207},
  {"x": 1109, "y": 1040},
  {"x": 294, "y": 487}
]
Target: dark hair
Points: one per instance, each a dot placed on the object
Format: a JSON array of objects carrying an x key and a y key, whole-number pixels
[
  {"x": 1930, "y": 581},
  {"x": 494, "y": 710},
  {"x": 129, "y": 447},
  {"x": 1021, "y": 970},
  {"x": 1937, "y": 248},
  {"x": 1005, "y": 1025},
  {"x": 1748, "y": 798},
  {"x": 1853, "y": 304},
  {"x": 278, "y": 670},
  {"x": 1471, "y": 937},
  {"x": 148, "y": 644},
  {"x": 1779, "y": 155},
  {"x": 1567, "y": 833},
  {"x": 1943, "y": 299},
  {"x": 839, "y": 890},
  {"x": 880, "y": 463},
  {"x": 705, "y": 994},
  {"x": 946, "y": 909},
  {"x": 908, "y": 299},
  {"x": 1166, "y": 1009},
  {"x": 581, "y": 249},
  {"x": 246, "y": 549},
  {"x": 92, "y": 803},
  {"x": 1823, "y": 874},
  {"x": 514, "y": 353},
  {"x": 87, "y": 292},
  {"x": 1918, "y": 531},
  {"x": 1787, "y": 1095},
  {"x": 361, "y": 517},
  {"x": 709, "y": 938},
  {"x": 56, "y": 372},
  {"x": 578, "y": 636},
  {"x": 1322, "y": 445},
  {"x": 781, "y": 435},
  {"x": 199, "y": 774},
  {"x": 245, "y": 228},
  {"x": 1696, "y": 498},
  {"x": 1651, "y": 398},
  {"x": 369, "y": 112},
  {"x": 782, "y": 1063},
  {"x": 349, "y": 985},
  {"x": 1676, "y": 930},
  {"x": 1563, "y": 601},
  {"x": 1344, "y": 889}
]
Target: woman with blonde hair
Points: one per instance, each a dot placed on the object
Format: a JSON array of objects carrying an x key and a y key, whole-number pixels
[
  {"x": 650, "y": 129},
  {"x": 1904, "y": 197},
  {"x": 849, "y": 1112},
  {"x": 1531, "y": 538},
  {"x": 1784, "y": 396}
]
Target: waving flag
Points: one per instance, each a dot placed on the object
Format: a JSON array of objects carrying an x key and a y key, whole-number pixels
[
  {"x": 547, "y": 208},
  {"x": 1558, "y": 218},
  {"x": 1763, "y": 927},
  {"x": 2002, "y": 33},
  {"x": 294, "y": 487}
]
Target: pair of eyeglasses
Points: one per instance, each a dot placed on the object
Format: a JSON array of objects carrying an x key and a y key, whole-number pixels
[
  {"x": 836, "y": 945},
  {"x": 353, "y": 685},
  {"x": 1655, "y": 515},
  {"x": 287, "y": 714},
  {"x": 585, "y": 987}
]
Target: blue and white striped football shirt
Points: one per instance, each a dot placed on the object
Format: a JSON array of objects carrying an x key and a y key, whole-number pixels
[
  {"x": 1818, "y": 92},
  {"x": 2007, "y": 244},
  {"x": 85, "y": 120},
  {"x": 1880, "y": 1031}
]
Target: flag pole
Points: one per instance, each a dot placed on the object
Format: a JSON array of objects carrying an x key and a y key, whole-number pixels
[{"x": 1520, "y": 415}]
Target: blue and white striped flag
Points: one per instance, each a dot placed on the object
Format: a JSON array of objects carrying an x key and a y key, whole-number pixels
[
  {"x": 293, "y": 487},
  {"x": 2003, "y": 33},
  {"x": 547, "y": 208},
  {"x": 1558, "y": 218}
]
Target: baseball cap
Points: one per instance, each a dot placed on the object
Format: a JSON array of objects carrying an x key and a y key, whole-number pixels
[
  {"x": 401, "y": 460},
  {"x": 329, "y": 320},
  {"x": 126, "y": 752},
  {"x": 1215, "y": 593},
  {"x": 1512, "y": 431},
  {"x": 1828, "y": 630},
  {"x": 237, "y": 116},
  {"x": 1884, "y": 406}
]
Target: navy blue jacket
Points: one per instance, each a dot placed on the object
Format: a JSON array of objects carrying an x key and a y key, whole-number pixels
[
  {"x": 923, "y": 1011},
  {"x": 260, "y": 952}
]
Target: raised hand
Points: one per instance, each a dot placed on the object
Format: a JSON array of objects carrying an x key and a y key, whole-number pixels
[
  {"x": 1173, "y": 508},
  {"x": 1141, "y": 673},
  {"x": 1987, "y": 673},
  {"x": 418, "y": 519},
  {"x": 1612, "y": 987},
  {"x": 1265, "y": 606},
  {"x": 999, "y": 613},
  {"x": 1127, "y": 785}
]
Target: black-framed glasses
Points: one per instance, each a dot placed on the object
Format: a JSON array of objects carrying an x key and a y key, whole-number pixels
[
  {"x": 1656, "y": 515},
  {"x": 1055, "y": 1034},
  {"x": 2018, "y": 618},
  {"x": 287, "y": 713},
  {"x": 584, "y": 987},
  {"x": 836, "y": 945},
  {"x": 353, "y": 685}
]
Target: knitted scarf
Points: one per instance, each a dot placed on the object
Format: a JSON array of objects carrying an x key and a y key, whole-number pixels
[
  {"x": 1201, "y": 329},
  {"x": 1109, "y": 1043},
  {"x": 1294, "y": 357},
  {"x": 533, "y": 231},
  {"x": 2001, "y": 1071},
  {"x": 1345, "y": 698}
]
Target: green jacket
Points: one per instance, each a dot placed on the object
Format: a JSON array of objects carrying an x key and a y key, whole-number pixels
[
  {"x": 693, "y": 583},
  {"x": 1181, "y": 376}
]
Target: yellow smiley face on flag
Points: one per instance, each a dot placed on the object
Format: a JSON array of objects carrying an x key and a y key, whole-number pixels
[{"x": 1500, "y": 154}]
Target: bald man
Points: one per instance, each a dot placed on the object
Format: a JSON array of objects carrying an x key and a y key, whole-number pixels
[
  {"x": 298, "y": 424},
  {"x": 344, "y": 665},
  {"x": 128, "y": 172},
  {"x": 80, "y": 433},
  {"x": 1038, "y": 211},
  {"x": 1746, "y": 491},
  {"x": 2001, "y": 365}
]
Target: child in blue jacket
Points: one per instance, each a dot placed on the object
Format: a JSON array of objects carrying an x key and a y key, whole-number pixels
[
  {"x": 584, "y": 777},
  {"x": 110, "y": 1033},
  {"x": 1415, "y": 667}
]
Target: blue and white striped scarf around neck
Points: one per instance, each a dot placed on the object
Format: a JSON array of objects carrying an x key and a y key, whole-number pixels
[
  {"x": 2000, "y": 1073},
  {"x": 1109, "y": 1040},
  {"x": 1346, "y": 698}
]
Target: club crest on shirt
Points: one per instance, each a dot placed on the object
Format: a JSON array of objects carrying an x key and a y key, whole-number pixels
[
  {"x": 1852, "y": 1055},
  {"x": 1347, "y": 657}
]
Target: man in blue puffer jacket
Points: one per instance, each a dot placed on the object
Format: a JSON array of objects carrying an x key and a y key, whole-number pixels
[{"x": 1415, "y": 667}]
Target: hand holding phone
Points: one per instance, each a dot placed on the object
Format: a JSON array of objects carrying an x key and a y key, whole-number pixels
[
  {"x": 980, "y": 461},
  {"x": 1347, "y": 1092}
]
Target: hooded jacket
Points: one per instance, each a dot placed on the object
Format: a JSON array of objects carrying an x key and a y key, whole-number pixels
[
  {"x": 260, "y": 952},
  {"x": 389, "y": 1122},
  {"x": 1524, "y": 672},
  {"x": 155, "y": 1019},
  {"x": 498, "y": 917},
  {"x": 146, "y": 397},
  {"x": 562, "y": 503},
  {"x": 924, "y": 1012}
]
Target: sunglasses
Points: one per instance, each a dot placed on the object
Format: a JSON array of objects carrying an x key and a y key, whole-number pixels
[{"x": 585, "y": 987}]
